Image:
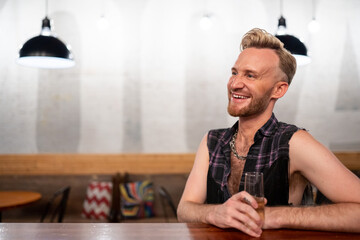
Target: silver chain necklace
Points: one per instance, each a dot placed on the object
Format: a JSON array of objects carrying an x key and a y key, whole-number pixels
[{"x": 233, "y": 148}]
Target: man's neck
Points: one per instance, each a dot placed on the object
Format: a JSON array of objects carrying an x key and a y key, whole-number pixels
[{"x": 248, "y": 126}]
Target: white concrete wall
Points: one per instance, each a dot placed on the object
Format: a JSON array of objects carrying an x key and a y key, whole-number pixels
[{"x": 153, "y": 81}]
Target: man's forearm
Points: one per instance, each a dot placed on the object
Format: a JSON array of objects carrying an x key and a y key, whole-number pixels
[
  {"x": 194, "y": 212},
  {"x": 332, "y": 217}
]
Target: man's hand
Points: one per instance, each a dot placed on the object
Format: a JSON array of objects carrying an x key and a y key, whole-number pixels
[{"x": 238, "y": 212}]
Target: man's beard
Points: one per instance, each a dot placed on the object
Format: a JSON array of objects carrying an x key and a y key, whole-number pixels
[{"x": 256, "y": 106}]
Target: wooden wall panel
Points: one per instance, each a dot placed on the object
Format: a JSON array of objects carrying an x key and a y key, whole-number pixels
[
  {"x": 64, "y": 164},
  {"x": 79, "y": 164},
  {"x": 350, "y": 159}
]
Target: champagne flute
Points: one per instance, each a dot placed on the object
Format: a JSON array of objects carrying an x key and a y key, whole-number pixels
[{"x": 254, "y": 185}]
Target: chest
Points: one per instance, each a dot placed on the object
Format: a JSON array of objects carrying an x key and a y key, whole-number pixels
[{"x": 236, "y": 172}]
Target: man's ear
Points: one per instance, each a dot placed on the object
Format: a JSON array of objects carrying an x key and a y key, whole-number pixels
[{"x": 280, "y": 89}]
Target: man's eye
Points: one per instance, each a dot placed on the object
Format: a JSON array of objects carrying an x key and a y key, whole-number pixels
[
  {"x": 250, "y": 76},
  {"x": 233, "y": 73}
]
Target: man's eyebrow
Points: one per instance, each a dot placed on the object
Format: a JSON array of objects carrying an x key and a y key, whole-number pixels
[
  {"x": 250, "y": 71},
  {"x": 233, "y": 69}
]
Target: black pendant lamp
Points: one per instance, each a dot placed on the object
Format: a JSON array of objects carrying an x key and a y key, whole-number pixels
[
  {"x": 45, "y": 50},
  {"x": 296, "y": 47}
]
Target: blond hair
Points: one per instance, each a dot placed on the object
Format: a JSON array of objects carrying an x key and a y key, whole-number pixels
[{"x": 259, "y": 38}]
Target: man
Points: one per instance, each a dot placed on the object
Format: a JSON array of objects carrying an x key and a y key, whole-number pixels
[{"x": 289, "y": 157}]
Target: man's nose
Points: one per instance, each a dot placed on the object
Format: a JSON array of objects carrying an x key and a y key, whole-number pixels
[{"x": 237, "y": 82}]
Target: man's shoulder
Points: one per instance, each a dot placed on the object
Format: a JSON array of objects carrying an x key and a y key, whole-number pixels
[
  {"x": 223, "y": 133},
  {"x": 219, "y": 136},
  {"x": 286, "y": 131},
  {"x": 218, "y": 131},
  {"x": 287, "y": 127},
  {"x": 273, "y": 128}
]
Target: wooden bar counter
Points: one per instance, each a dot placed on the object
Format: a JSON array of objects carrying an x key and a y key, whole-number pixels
[{"x": 151, "y": 231}]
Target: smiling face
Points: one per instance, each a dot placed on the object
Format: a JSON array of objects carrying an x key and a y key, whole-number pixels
[{"x": 254, "y": 83}]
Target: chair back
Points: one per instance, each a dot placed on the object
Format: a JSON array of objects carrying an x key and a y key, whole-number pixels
[
  {"x": 166, "y": 198},
  {"x": 56, "y": 206},
  {"x": 115, "y": 213}
]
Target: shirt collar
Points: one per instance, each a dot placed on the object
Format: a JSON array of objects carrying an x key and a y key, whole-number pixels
[{"x": 268, "y": 129}]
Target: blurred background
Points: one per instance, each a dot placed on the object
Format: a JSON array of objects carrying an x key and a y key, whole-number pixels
[{"x": 150, "y": 75}]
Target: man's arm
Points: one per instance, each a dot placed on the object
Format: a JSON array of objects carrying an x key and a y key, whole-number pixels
[
  {"x": 233, "y": 213},
  {"x": 320, "y": 166},
  {"x": 191, "y": 207}
]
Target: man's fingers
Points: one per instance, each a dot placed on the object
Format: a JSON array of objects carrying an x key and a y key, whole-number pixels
[
  {"x": 246, "y": 198},
  {"x": 247, "y": 215},
  {"x": 244, "y": 203},
  {"x": 245, "y": 224},
  {"x": 248, "y": 221},
  {"x": 248, "y": 227}
]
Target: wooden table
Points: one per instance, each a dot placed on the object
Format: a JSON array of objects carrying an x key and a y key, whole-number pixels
[
  {"x": 11, "y": 199},
  {"x": 150, "y": 231}
]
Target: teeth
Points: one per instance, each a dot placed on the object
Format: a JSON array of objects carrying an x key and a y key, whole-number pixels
[{"x": 239, "y": 97}]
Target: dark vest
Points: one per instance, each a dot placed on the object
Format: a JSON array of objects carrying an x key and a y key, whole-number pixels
[{"x": 269, "y": 154}]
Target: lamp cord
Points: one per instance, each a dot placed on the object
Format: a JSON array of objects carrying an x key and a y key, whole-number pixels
[
  {"x": 46, "y": 8},
  {"x": 313, "y": 9}
]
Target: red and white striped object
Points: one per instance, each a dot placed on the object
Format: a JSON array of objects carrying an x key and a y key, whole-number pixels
[{"x": 98, "y": 200}]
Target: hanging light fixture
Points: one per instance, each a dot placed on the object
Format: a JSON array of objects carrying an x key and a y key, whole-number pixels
[
  {"x": 296, "y": 47},
  {"x": 206, "y": 22},
  {"x": 103, "y": 22},
  {"x": 46, "y": 50},
  {"x": 314, "y": 25}
]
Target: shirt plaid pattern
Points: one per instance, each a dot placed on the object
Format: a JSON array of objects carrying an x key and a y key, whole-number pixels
[{"x": 271, "y": 143}]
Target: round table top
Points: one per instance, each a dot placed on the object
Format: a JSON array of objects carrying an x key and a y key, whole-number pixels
[{"x": 9, "y": 199}]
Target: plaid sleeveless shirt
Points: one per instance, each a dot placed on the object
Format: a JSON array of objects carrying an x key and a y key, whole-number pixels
[{"x": 268, "y": 154}]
